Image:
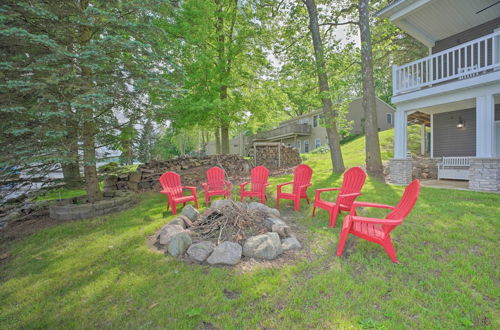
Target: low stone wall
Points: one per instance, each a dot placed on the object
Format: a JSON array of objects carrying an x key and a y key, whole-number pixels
[
  {"x": 71, "y": 209},
  {"x": 275, "y": 156},
  {"x": 403, "y": 171},
  {"x": 484, "y": 174},
  {"x": 424, "y": 168}
]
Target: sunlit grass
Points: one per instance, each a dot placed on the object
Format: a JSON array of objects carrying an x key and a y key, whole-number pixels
[{"x": 99, "y": 273}]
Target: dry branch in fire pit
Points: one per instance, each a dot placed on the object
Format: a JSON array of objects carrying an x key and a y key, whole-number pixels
[{"x": 233, "y": 222}]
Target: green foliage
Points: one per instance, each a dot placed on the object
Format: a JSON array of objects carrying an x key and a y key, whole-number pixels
[
  {"x": 114, "y": 168},
  {"x": 75, "y": 65}
]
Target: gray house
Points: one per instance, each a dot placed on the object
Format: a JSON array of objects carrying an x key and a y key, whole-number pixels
[
  {"x": 306, "y": 132},
  {"x": 455, "y": 90}
]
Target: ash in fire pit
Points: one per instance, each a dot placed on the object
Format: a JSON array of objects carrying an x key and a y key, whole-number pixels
[{"x": 226, "y": 231}]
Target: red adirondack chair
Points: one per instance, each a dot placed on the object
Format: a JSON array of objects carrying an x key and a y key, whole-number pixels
[
  {"x": 171, "y": 184},
  {"x": 216, "y": 184},
  {"x": 258, "y": 181},
  {"x": 353, "y": 181},
  {"x": 378, "y": 230},
  {"x": 301, "y": 181}
]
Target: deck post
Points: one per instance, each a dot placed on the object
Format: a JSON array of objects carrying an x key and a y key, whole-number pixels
[{"x": 422, "y": 140}]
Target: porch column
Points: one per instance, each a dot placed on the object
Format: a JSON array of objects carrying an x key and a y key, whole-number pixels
[
  {"x": 422, "y": 140},
  {"x": 400, "y": 168},
  {"x": 484, "y": 170},
  {"x": 400, "y": 135},
  {"x": 485, "y": 126}
]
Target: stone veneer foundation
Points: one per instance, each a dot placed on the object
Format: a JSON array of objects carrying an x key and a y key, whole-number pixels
[
  {"x": 400, "y": 171},
  {"x": 484, "y": 174}
]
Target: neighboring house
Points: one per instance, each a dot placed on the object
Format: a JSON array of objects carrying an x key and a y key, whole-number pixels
[
  {"x": 455, "y": 90},
  {"x": 235, "y": 146},
  {"x": 307, "y": 132}
]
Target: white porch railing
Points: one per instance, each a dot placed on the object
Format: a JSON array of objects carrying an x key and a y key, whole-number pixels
[{"x": 460, "y": 62}]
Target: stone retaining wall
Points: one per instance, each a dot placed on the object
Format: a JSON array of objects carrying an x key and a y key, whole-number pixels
[
  {"x": 69, "y": 209},
  {"x": 424, "y": 168}
]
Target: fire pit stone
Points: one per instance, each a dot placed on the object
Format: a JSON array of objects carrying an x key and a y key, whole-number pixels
[{"x": 226, "y": 231}]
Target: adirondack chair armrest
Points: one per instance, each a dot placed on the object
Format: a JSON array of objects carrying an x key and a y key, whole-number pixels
[
  {"x": 366, "y": 204},
  {"x": 242, "y": 185},
  {"x": 350, "y": 195},
  {"x": 375, "y": 220},
  {"x": 228, "y": 184},
  {"x": 281, "y": 185},
  {"x": 305, "y": 186},
  {"x": 321, "y": 190},
  {"x": 193, "y": 189}
]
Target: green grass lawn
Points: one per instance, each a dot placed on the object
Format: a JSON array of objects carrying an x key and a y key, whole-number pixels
[{"x": 99, "y": 272}]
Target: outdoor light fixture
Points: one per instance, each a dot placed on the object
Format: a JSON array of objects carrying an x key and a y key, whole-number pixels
[{"x": 461, "y": 123}]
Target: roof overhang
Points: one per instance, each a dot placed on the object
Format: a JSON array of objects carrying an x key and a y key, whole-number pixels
[{"x": 431, "y": 20}]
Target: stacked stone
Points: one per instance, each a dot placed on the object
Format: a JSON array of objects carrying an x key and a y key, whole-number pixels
[
  {"x": 400, "y": 171},
  {"x": 78, "y": 208},
  {"x": 484, "y": 174},
  {"x": 424, "y": 168}
]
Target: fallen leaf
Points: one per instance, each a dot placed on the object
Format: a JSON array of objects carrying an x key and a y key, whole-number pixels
[
  {"x": 153, "y": 306},
  {"x": 4, "y": 256}
]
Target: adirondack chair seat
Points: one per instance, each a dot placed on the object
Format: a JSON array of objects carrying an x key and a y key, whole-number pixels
[
  {"x": 183, "y": 199},
  {"x": 301, "y": 181},
  {"x": 365, "y": 230},
  {"x": 326, "y": 205},
  {"x": 353, "y": 181}
]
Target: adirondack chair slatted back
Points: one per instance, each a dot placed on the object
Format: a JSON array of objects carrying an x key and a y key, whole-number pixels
[
  {"x": 258, "y": 178},
  {"x": 301, "y": 176},
  {"x": 406, "y": 203},
  {"x": 353, "y": 181},
  {"x": 215, "y": 178},
  {"x": 171, "y": 182}
]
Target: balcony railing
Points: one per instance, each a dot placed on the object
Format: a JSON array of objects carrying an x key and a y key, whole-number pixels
[
  {"x": 463, "y": 61},
  {"x": 283, "y": 131}
]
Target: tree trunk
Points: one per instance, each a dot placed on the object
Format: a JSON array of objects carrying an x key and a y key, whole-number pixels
[
  {"x": 71, "y": 166},
  {"x": 225, "y": 138},
  {"x": 89, "y": 131},
  {"x": 373, "y": 159},
  {"x": 324, "y": 88},
  {"x": 217, "y": 140}
]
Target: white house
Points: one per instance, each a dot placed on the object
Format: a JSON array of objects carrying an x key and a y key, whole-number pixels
[{"x": 457, "y": 87}]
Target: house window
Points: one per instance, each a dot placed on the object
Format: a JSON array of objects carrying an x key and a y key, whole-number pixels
[
  {"x": 317, "y": 143},
  {"x": 306, "y": 146},
  {"x": 315, "y": 121},
  {"x": 298, "y": 146},
  {"x": 304, "y": 121},
  {"x": 389, "y": 118}
]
